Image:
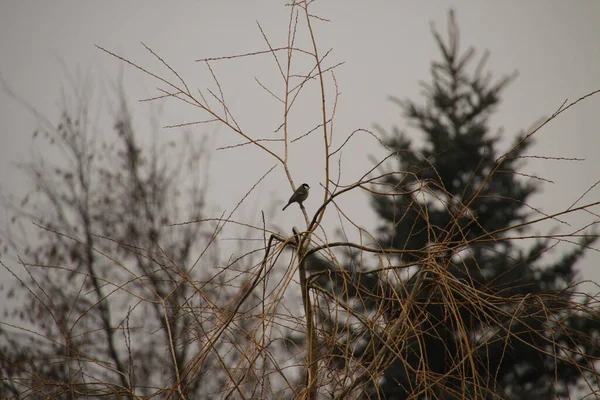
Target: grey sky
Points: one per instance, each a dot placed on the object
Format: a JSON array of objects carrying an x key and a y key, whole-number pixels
[{"x": 386, "y": 47}]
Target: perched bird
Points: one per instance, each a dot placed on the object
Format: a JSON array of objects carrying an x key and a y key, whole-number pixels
[{"x": 299, "y": 196}]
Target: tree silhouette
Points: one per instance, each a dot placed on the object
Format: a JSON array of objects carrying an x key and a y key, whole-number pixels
[{"x": 521, "y": 335}]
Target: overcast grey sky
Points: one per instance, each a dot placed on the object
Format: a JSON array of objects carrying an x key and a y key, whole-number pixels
[{"x": 386, "y": 46}]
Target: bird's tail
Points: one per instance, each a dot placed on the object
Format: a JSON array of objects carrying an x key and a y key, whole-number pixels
[{"x": 286, "y": 206}]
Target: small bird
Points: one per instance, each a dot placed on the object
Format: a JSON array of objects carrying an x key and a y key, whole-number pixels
[{"x": 299, "y": 196}]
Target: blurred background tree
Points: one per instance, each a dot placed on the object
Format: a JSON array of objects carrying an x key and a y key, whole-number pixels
[
  {"x": 494, "y": 317},
  {"x": 106, "y": 307}
]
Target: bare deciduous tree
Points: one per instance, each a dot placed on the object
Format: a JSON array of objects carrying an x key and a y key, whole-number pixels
[{"x": 104, "y": 308}]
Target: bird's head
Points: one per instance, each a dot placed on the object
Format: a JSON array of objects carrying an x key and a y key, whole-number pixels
[{"x": 305, "y": 186}]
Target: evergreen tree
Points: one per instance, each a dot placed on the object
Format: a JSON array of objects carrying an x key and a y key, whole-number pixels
[{"x": 492, "y": 317}]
